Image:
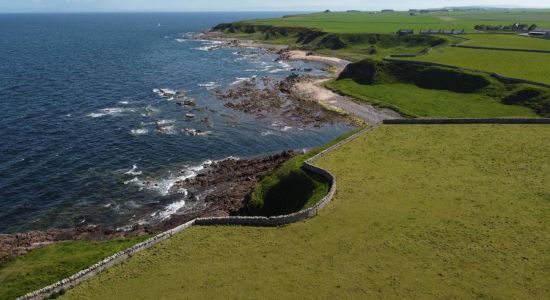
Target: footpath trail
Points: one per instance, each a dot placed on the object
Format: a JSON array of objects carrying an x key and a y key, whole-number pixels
[{"x": 314, "y": 89}]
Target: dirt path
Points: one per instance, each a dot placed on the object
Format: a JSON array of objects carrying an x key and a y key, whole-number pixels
[{"x": 314, "y": 89}]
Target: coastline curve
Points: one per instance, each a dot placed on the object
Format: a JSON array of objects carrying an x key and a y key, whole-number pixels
[{"x": 71, "y": 282}]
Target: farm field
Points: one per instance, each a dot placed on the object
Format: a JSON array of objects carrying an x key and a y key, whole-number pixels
[
  {"x": 47, "y": 265},
  {"x": 365, "y": 22},
  {"x": 511, "y": 41},
  {"x": 524, "y": 65},
  {"x": 418, "y": 102},
  {"x": 454, "y": 211}
]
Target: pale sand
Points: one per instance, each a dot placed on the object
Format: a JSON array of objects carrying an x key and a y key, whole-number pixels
[
  {"x": 338, "y": 63},
  {"x": 314, "y": 89}
]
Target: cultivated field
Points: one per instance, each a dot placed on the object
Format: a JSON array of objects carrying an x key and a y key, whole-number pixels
[
  {"x": 453, "y": 211},
  {"x": 361, "y": 22}
]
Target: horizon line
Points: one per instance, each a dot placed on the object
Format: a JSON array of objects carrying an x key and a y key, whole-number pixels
[{"x": 255, "y": 11}]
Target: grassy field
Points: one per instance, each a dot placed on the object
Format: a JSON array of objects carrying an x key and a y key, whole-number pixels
[
  {"x": 360, "y": 22},
  {"x": 47, "y": 265},
  {"x": 418, "y": 102},
  {"x": 530, "y": 66},
  {"x": 507, "y": 41},
  {"x": 453, "y": 211}
]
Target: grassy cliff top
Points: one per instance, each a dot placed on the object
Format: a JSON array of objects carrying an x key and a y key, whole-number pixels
[{"x": 453, "y": 211}]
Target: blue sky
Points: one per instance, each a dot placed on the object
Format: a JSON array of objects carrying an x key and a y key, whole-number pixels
[{"x": 244, "y": 5}]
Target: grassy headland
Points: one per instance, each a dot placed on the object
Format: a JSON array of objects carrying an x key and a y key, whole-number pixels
[
  {"x": 47, "y": 265},
  {"x": 454, "y": 211},
  {"x": 356, "y": 36},
  {"x": 428, "y": 91}
]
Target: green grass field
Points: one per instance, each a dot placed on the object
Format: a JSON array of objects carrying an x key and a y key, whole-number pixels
[
  {"x": 530, "y": 66},
  {"x": 511, "y": 41},
  {"x": 361, "y": 22},
  {"x": 47, "y": 265},
  {"x": 418, "y": 102},
  {"x": 452, "y": 211}
]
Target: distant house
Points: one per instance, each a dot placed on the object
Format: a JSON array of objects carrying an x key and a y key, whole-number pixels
[
  {"x": 542, "y": 32},
  {"x": 405, "y": 31},
  {"x": 520, "y": 27},
  {"x": 387, "y": 10},
  {"x": 430, "y": 31}
]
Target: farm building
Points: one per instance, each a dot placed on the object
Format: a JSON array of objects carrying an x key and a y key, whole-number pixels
[
  {"x": 439, "y": 31},
  {"x": 544, "y": 32},
  {"x": 405, "y": 31}
]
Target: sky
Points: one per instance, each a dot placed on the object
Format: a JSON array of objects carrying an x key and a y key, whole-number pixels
[{"x": 7, "y": 6}]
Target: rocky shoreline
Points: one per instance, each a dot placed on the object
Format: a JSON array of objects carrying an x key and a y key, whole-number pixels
[
  {"x": 219, "y": 190},
  {"x": 222, "y": 188}
]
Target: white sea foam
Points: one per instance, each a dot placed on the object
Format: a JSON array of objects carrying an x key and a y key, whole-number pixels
[
  {"x": 135, "y": 181},
  {"x": 169, "y": 210},
  {"x": 170, "y": 130},
  {"x": 266, "y": 133},
  {"x": 114, "y": 111},
  {"x": 165, "y": 92},
  {"x": 134, "y": 171},
  {"x": 243, "y": 79},
  {"x": 210, "y": 85},
  {"x": 140, "y": 131}
]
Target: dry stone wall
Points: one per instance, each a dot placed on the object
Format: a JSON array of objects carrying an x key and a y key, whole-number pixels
[{"x": 86, "y": 274}]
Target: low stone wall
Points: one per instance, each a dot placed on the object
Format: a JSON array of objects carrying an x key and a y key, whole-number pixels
[
  {"x": 86, "y": 274},
  {"x": 501, "y": 49},
  {"x": 467, "y": 121},
  {"x": 83, "y": 275}
]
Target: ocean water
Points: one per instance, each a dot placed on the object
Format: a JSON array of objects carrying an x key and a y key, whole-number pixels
[{"x": 79, "y": 143}]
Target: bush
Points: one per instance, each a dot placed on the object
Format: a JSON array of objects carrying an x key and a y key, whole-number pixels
[
  {"x": 536, "y": 99},
  {"x": 452, "y": 80}
]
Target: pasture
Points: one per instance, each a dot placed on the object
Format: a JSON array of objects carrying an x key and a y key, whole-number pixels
[
  {"x": 453, "y": 211},
  {"x": 370, "y": 22},
  {"x": 419, "y": 102},
  {"x": 47, "y": 265},
  {"x": 523, "y": 65}
]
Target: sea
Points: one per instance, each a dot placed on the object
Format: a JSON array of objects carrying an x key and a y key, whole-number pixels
[{"x": 84, "y": 122}]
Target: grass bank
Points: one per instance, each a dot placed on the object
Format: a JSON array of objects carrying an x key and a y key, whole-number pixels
[
  {"x": 454, "y": 211},
  {"x": 427, "y": 91},
  {"x": 47, "y": 265},
  {"x": 523, "y": 65},
  {"x": 289, "y": 188}
]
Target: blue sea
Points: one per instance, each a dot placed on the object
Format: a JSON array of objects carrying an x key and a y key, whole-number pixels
[{"x": 79, "y": 118}]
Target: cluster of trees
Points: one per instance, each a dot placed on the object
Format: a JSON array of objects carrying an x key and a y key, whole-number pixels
[{"x": 513, "y": 27}]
